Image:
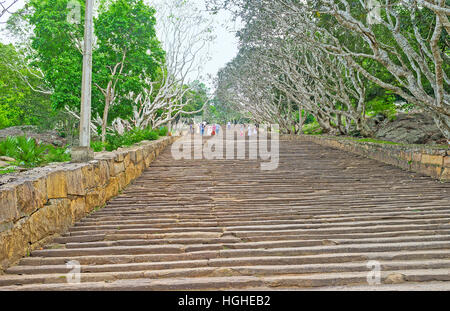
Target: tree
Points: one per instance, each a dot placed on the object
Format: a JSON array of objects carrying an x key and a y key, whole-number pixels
[
  {"x": 184, "y": 31},
  {"x": 19, "y": 103},
  {"x": 128, "y": 52},
  {"x": 55, "y": 48},
  {"x": 403, "y": 51},
  {"x": 6, "y": 5}
]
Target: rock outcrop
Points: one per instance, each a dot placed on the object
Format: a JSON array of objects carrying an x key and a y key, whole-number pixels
[
  {"x": 413, "y": 128},
  {"x": 45, "y": 137}
]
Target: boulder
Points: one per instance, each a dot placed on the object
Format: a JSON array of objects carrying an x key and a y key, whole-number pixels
[
  {"x": 414, "y": 128},
  {"x": 395, "y": 278},
  {"x": 7, "y": 159}
]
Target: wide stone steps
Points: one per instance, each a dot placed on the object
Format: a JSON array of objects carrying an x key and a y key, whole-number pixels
[
  {"x": 318, "y": 221},
  {"x": 214, "y": 258},
  {"x": 236, "y": 243},
  {"x": 141, "y": 281}
]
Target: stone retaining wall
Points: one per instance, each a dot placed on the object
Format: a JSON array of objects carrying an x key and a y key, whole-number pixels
[
  {"x": 41, "y": 203},
  {"x": 430, "y": 161}
]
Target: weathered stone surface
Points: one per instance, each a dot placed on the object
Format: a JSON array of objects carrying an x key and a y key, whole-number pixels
[
  {"x": 78, "y": 208},
  {"x": 126, "y": 159},
  {"x": 28, "y": 198},
  {"x": 13, "y": 244},
  {"x": 93, "y": 199},
  {"x": 140, "y": 167},
  {"x": 75, "y": 182},
  {"x": 51, "y": 219},
  {"x": 314, "y": 222},
  {"x": 130, "y": 172},
  {"x": 82, "y": 154},
  {"x": 119, "y": 155},
  {"x": 57, "y": 185},
  {"x": 122, "y": 178},
  {"x": 409, "y": 128},
  {"x": 101, "y": 173},
  {"x": 7, "y": 159},
  {"x": 88, "y": 176},
  {"x": 136, "y": 155},
  {"x": 112, "y": 189},
  {"x": 432, "y": 159},
  {"x": 446, "y": 174},
  {"x": 49, "y": 199},
  {"x": 8, "y": 204},
  {"x": 431, "y": 170},
  {"x": 447, "y": 161},
  {"x": 119, "y": 167},
  {"x": 40, "y": 189},
  {"x": 110, "y": 163},
  {"x": 150, "y": 158},
  {"x": 395, "y": 278}
]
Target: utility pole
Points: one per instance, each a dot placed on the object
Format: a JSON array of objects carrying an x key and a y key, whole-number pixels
[{"x": 84, "y": 153}]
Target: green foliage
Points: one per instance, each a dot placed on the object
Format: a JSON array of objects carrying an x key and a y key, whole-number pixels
[
  {"x": 25, "y": 150},
  {"x": 7, "y": 170},
  {"x": 376, "y": 141},
  {"x": 312, "y": 128},
  {"x": 28, "y": 153},
  {"x": 198, "y": 96},
  {"x": 97, "y": 146},
  {"x": 125, "y": 28},
  {"x": 220, "y": 111},
  {"x": 57, "y": 155},
  {"x": 383, "y": 102},
  {"x": 8, "y": 147},
  {"x": 129, "y": 138},
  {"x": 163, "y": 131},
  {"x": 19, "y": 104},
  {"x": 121, "y": 27},
  {"x": 55, "y": 42},
  {"x": 309, "y": 119}
]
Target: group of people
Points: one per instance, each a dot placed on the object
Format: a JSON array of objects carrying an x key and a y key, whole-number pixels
[
  {"x": 246, "y": 129},
  {"x": 205, "y": 129},
  {"x": 214, "y": 129}
]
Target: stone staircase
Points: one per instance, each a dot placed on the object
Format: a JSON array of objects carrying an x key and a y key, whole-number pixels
[{"x": 315, "y": 223}]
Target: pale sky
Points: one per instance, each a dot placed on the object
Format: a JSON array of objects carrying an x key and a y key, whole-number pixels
[{"x": 222, "y": 50}]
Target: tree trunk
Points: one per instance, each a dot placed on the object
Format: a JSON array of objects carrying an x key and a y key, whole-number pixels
[
  {"x": 105, "y": 120},
  {"x": 443, "y": 123},
  {"x": 300, "y": 120}
]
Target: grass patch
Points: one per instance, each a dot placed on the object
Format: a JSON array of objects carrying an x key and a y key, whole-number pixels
[
  {"x": 312, "y": 128},
  {"x": 7, "y": 171},
  {"x": 387, "y": 142},
  {"x": 376, "y": 141}
]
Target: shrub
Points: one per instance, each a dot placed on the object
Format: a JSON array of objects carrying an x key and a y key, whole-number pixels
[
  {"x": 129, "y": 138},
  {"x": 312, "y": 128},
  {"x": 57, "y": 155},
  {"x": 163, "y": 131},
  {"x": 28, "y": 153},
  {"x": 8, "y": 147},
  {"x": 97, "y": 146}
]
